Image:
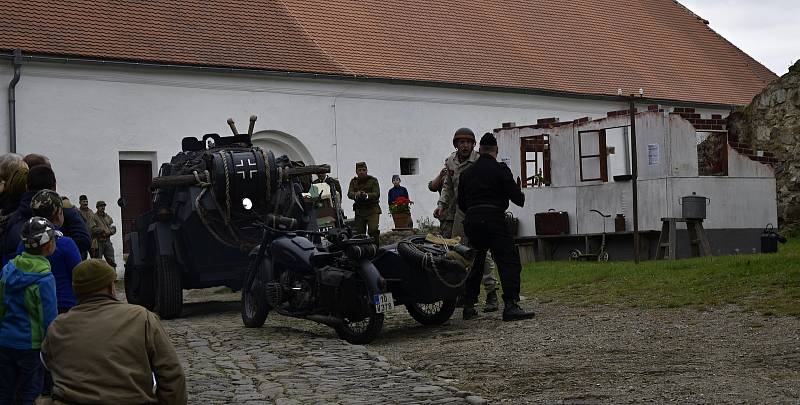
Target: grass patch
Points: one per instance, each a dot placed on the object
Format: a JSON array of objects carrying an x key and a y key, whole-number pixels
[{"x": 769, "y": 284}]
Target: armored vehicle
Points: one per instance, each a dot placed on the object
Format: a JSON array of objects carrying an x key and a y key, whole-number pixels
[{"x": 205, "y": 200}]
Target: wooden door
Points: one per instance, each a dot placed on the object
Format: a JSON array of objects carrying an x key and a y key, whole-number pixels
[{"x": 135, "y": 177}]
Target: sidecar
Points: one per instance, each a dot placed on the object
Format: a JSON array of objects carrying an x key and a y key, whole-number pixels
[{"x": 420, "y": 276}]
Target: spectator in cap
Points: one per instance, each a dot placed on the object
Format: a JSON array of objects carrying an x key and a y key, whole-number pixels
[
  {"x": 365, "y": 193},
  {"x": 102, "y": 240},
  {"x": 107, "y": 351},
  {"x": 27, "y": 307},
  {"x": 485, "y": 190},
  {"x": 397, "y": 190},
  {"x": 42, "y": 178},
  {"x": 47, "y": 204}
]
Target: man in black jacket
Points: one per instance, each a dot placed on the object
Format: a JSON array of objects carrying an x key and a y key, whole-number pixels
[
  {"x": 40, "y": 178},
  {"x": 484, "y": 192}
]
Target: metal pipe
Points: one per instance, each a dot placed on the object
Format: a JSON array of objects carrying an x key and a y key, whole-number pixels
[
  {"x": 634, "y": 178},
  {"x": 12, "y": 101}
]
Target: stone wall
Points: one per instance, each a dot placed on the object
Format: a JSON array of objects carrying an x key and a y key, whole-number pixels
[{"x": 770, "y": 125}]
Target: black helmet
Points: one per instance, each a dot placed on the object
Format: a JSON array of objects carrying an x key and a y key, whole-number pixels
[
  {"x": 463, "y": 133},
  {"x": 38, "y": 231}
]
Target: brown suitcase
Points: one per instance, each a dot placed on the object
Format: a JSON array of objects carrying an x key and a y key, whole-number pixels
[{"x": 551, "y": 223}]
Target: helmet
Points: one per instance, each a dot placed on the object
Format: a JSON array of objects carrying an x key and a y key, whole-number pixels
[
  {"x": 463, "y": 133},
  {"x": 37, "y": 232}
]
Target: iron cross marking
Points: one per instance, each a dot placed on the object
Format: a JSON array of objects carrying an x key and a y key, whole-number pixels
[{"x": 244, "y": 168}]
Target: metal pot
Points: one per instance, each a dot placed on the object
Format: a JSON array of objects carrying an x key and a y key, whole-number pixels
[{"x": 694, "y": 206}]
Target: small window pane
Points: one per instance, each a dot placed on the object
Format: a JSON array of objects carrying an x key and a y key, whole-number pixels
[
  {"x": 591, "y": 168},
  {"x": 409, "y": 166},
  {"x": 590, "y": 143}
]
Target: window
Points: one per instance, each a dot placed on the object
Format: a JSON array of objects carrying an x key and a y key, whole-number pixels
[
  {"x": 535, "y": 161},
  {"x": 409, "y": 166},
  {"x": 618, "y": 150},
  {"x": 593, "y": 155}
]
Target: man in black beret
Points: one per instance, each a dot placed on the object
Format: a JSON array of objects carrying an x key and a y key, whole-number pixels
[{"x": 485, "y": 189}]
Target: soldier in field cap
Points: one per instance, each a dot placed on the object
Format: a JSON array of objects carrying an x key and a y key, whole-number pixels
[
  {"x": 365, "y": 193},
  {"x": 483, "y": 195}
]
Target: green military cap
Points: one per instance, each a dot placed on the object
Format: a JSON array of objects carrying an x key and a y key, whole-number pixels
[
  {"x": 361, "y": 164},
  {"x": 100, "y": 203},
  {"x": 92, "y": 275}
]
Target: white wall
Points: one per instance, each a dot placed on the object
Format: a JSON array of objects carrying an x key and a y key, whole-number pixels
[
  {"x": 744, "y": 199},
  {"x": 83, "y": 117}
]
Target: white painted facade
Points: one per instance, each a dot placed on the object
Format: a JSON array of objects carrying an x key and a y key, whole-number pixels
[
  {"x": 744, "y": 199},
  {"x": 88, "y": 117}
]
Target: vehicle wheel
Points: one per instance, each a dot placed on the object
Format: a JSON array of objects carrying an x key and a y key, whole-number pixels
[
  {"x": 436, "y": 313},
  {"x": 139, "y": 289},
  {"x": 254, "y": 305},
  {"x": 362, "y": 331},
  {"x": 574, "y": 255},
  {"x": 602, "y": 256},
  {"x": 169, "y": 294}
]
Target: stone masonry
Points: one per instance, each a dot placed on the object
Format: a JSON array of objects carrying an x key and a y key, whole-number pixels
[{"x": 771, "y": 123}]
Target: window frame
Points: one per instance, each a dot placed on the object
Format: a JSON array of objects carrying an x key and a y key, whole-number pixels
[
  {"x": 602, "y": 154},
  {"x": 539, "y": 144}
]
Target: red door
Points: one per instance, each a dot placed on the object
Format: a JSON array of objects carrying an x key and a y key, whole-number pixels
[{"x": 135, "y": 177}]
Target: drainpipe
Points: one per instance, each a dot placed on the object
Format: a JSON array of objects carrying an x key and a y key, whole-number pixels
[{"x": 12, "y": 101}]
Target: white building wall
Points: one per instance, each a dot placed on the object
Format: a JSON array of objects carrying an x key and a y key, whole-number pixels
[{"x": 85, "y": 117}]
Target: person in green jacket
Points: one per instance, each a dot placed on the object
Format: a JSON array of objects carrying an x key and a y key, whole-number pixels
[
  {"x": 27, "y": 307},
  {"x": 365, "y": 192}
]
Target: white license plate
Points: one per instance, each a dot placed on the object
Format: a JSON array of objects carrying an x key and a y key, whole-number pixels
[{"x": 383, "y": 302}]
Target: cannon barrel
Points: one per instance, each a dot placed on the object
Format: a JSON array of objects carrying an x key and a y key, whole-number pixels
[
  {"x": 306, "y": 170},
  {"x": 177, "y": 181}
]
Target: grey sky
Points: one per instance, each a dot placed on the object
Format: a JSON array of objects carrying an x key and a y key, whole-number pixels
[{"x": 767, "y": 30}]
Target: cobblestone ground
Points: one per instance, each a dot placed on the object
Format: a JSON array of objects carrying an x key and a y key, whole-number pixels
[{"x": 290, "y": 362}]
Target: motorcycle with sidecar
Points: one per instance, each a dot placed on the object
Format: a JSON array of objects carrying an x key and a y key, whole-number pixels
[{"x": 345, "y": 281}]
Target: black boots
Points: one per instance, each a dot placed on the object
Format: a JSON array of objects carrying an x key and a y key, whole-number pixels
[
  {"x": 491, "y": 302},
  {"x": 513, "y": 312},
  {"x": 469, "y": 312}
]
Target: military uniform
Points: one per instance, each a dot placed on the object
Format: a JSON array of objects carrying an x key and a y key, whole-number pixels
[
  {"x": 104, "y": 248},
  {"x": 485, "y": 189},
  {"x": 454, "y": 217},
  {"x": 367, "y": 210}
]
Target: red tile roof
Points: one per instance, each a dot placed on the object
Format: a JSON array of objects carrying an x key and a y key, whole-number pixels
[{"x": 575, "y": 46}]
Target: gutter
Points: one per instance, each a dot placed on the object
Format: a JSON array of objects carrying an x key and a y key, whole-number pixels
[
  {"x": 12, "y": 100},
  {"x": 369, "y": 79}
]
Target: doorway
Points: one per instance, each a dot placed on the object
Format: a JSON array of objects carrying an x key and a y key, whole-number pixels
[{"x": 135, "y": 177}]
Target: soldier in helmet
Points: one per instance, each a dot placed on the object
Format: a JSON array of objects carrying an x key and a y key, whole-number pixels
[
  {"x": 365, "y": 193},
  {"x": 107, "y": 229},
  {"x": 447, "y": 208}
]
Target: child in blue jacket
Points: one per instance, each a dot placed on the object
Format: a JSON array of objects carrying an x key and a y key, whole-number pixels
[{"x": 27, "y": 307}]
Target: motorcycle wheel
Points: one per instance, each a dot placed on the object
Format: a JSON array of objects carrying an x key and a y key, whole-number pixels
[
  {"x": 436, "y": 313},
  {"x": 254, "y": 307},
  {"x": 574, "y": 255},
  {"x": 139, "y": 287},
  {"x": 360, "y": 332}
]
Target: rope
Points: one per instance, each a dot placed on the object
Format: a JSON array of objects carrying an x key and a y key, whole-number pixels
[{"x": 227, "y": 217}]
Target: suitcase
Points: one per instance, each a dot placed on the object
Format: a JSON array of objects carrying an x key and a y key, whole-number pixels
[{"x": 551, "y": 222}]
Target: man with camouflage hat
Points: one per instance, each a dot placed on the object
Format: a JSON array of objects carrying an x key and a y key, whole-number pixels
[
  {"x": 365, "y": 193},
  {"x": 102, "y": 240},
  {"x": 49, "y": 205},
  {"x": 447, "y": 208},
  {"x": 104, "y": 351}
]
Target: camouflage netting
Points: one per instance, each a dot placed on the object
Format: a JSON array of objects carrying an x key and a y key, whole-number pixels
[{"x": 772, "y": 123}]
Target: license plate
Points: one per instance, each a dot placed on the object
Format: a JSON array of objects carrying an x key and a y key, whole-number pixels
[{"x": 383, "y": 302}]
